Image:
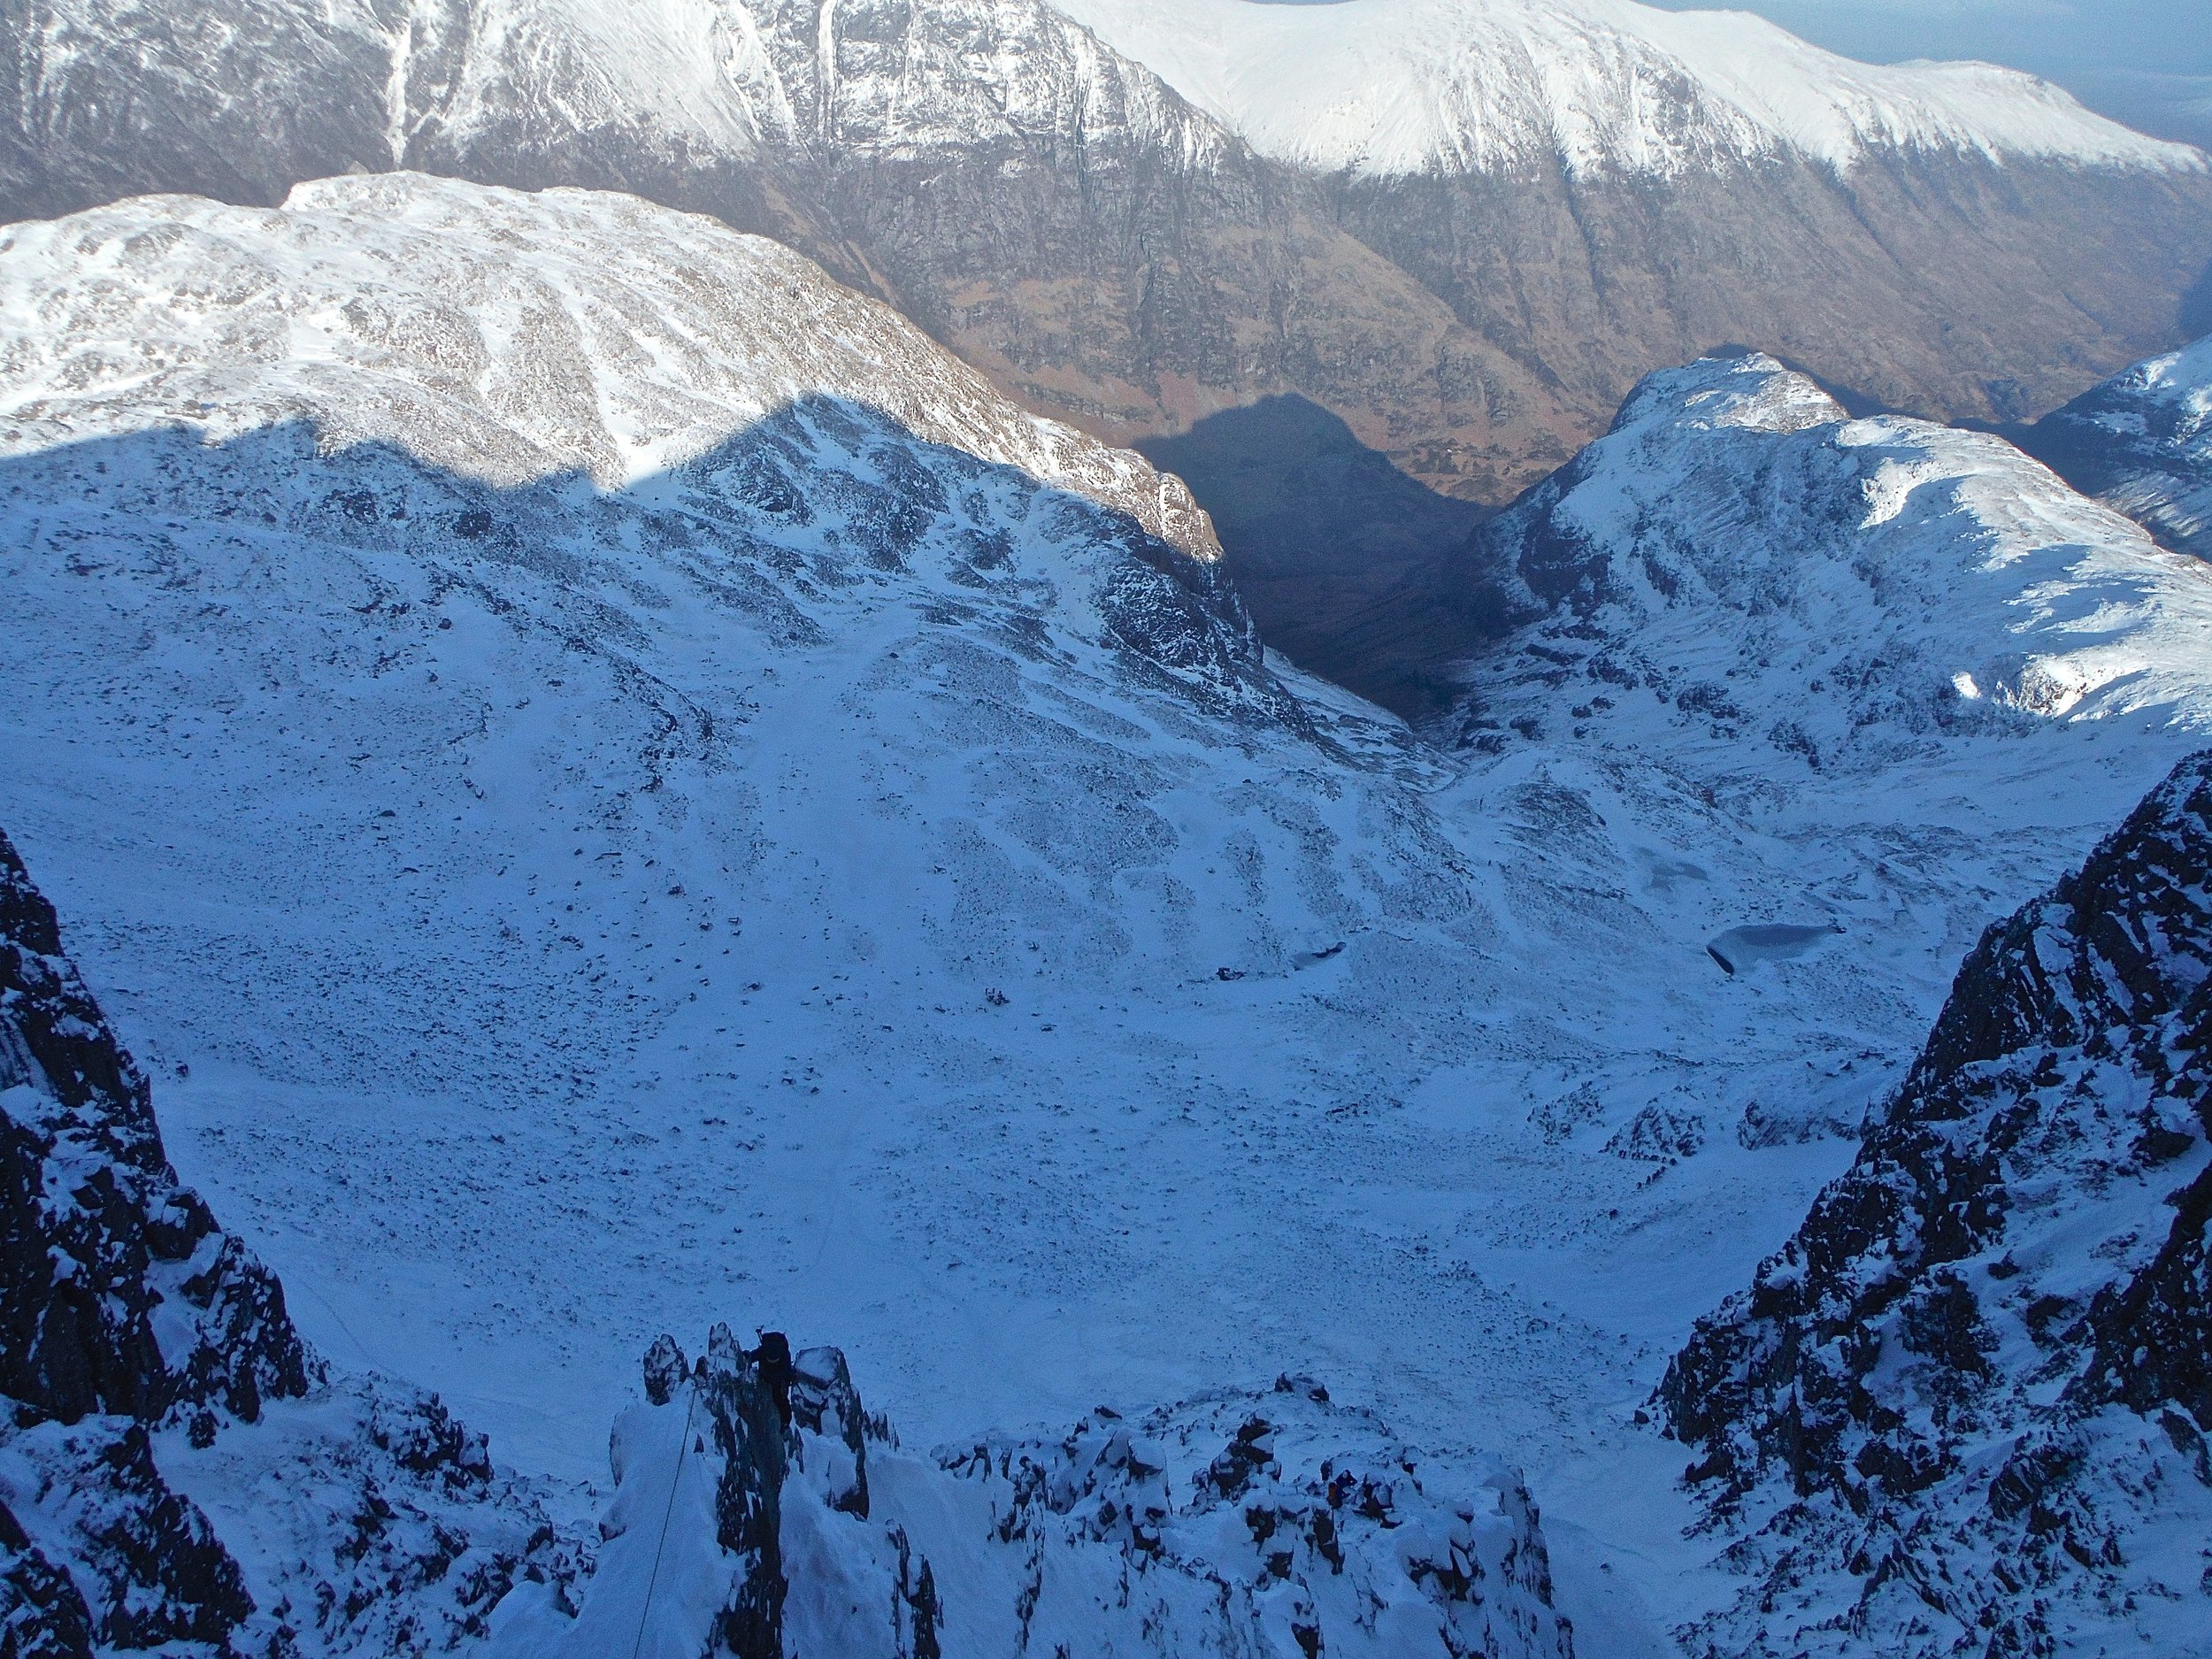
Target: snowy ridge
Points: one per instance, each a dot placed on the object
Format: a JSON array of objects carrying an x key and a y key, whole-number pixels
[
  {"x": 759, "y": 1509},
  {"x": 1388, "y": 87},
  {"x": 1738, "y": 560},
  {"x": 394, "y": 308}
]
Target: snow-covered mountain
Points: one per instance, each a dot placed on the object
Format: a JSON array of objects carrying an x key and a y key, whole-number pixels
[
  {"x": 1602, "y": 189},
  {"x": 1964, "y": 1409},
  {"x": 1739, "y": 572},
  {"x": 1606, "y": 187},
  {"x": 2141, "y": 442},
  {"x": 1054, "y": 211},
  {"x": 1391, "y": 86},
  {"x": 644, "y": 793}
]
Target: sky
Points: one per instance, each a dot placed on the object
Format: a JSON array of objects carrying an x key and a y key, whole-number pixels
[{"x": 2147, "y": 63}]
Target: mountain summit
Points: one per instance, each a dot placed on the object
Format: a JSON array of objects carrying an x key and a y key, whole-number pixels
[{"x": 1407, "y": 87}]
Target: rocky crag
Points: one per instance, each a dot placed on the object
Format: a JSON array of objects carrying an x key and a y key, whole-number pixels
[
  {"x": 1963, "y": 1410},
  {"x": 762, "y": 1511},
  {"x": 175, "y": 1466}
]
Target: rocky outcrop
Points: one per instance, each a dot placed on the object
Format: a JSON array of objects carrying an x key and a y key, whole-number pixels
[
  {"x": 118, "y": 1293},
  {"x": 2141, "y": 442},
  {"x": 174, "y": 1465},
  {"x": 762, "y": 1511},
  {"x": 124, "y": 1307},
  {"x": 1963, "y": 1409}
]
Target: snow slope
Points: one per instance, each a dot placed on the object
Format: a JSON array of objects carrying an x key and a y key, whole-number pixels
[
  {"x": 2141, "y": 442},
  {"x": 1385, "y": 87},
  {"x": 644, "y": 796}
]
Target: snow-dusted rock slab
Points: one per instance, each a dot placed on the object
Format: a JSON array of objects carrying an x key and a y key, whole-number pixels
[{"x": 761, "y": 1510}]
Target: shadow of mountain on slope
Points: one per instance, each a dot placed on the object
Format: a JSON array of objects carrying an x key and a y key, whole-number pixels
[
  {"x": 2137, "y": 450},
  {"x": 1318, "y": 526},
  {"x": 820, "y": 497},
  {"x": 2194, "y": 319}
]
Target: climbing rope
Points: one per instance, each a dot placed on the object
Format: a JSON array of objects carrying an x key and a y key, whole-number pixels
[{"x": 682, "y": 1446}]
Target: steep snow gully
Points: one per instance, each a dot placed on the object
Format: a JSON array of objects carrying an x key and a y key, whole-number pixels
[{"x": 621, "y": 795}]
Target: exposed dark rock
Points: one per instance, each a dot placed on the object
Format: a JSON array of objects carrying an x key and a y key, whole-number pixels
[
  {"x": 42, "y": 1614},
  {"x": 122, "y": 1305},
  {"x": 95, "y": 1232},
  {"x": 1273, "y": 1524},
  {"x": 747, "y": 1399},
  {"x": 146, "y": 1558},
  {"x": 1921, "y": 1375}
]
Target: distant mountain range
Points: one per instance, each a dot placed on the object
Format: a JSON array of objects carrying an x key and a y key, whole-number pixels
[{"x": 1465, "y": 230}]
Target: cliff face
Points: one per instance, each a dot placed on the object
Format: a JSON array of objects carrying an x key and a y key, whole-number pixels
[
  {"x": 118, "y": 1293},
  {"x": 1964, "y": 1408},
  {"x": 122, "y": 1307}
]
